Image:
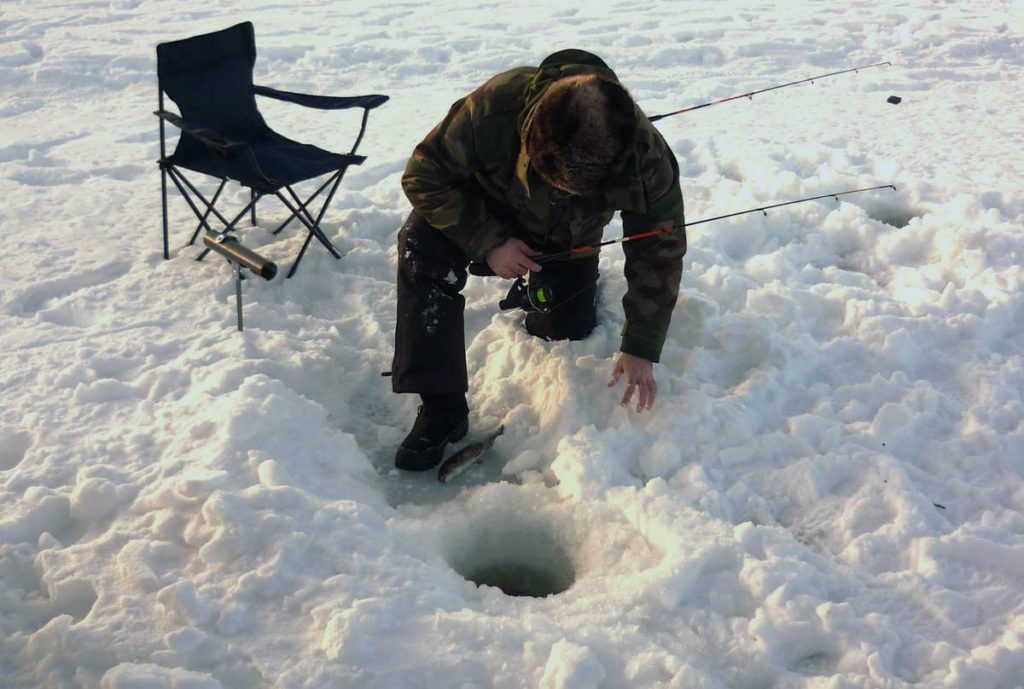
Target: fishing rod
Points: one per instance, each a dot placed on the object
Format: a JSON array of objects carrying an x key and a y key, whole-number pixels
[
  {"x": 543, "y": 299},
  {"x": 751, "y": 94},
  {"x": 590, "y": 248}
]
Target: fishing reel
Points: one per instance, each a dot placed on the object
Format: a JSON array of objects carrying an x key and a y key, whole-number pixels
[
  {"x": 526, "y": 294},
  {"x": 529, "y": 297}
]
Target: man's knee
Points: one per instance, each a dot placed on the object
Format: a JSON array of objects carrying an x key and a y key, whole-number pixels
[
  {"x": 572, "y": 288},
  {"x": 424, "y": 253},
  {"x": 574, "y": 322}
]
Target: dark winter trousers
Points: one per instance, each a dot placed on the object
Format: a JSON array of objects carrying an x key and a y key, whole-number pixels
[{"x": 430, "y": 347}]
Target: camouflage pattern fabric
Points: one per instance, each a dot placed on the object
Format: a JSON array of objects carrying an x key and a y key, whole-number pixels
[{"x": 471, "y": 179}]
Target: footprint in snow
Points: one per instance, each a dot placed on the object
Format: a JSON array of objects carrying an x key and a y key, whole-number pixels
[{"x": 41, "y": 295}]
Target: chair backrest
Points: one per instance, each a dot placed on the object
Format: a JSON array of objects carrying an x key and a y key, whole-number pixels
[{"x": 210, "y": 78}]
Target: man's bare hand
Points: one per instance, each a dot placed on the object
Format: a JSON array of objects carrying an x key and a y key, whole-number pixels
[
  {"x": 639, "y": 377},
  {"x": 512, "y": 259}
]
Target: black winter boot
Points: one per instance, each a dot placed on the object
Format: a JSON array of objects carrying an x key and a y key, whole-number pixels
[{"x": 442, "y": 419}]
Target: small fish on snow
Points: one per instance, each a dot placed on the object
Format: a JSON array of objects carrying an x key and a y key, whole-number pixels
[{"x": 457, "y": 464}]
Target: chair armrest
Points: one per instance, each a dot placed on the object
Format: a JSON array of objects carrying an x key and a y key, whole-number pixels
[
  {"x": 322, "y": 102},
  {"x": 204, "y": 135}
]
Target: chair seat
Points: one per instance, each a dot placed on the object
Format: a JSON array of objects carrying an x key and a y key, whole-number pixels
[{"x": 279, "y": 161}]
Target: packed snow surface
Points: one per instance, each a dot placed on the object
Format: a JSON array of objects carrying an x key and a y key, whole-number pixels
[{"x": 827, "y": 493}]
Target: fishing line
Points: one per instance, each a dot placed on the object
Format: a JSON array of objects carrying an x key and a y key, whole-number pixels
[{"x": 670, "y": 230}]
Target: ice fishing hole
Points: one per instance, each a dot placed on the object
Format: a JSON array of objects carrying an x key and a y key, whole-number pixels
[
  {"x": 520, "y": 558},
  {"x": 895, "y": 215}
]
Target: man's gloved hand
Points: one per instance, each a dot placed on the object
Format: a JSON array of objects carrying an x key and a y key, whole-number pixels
[
  {"x": 512, "y": 259},
  {"x": 639, "y": 376}
]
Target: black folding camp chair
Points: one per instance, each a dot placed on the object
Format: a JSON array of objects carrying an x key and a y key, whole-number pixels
[{"x": 223, "y": 135}]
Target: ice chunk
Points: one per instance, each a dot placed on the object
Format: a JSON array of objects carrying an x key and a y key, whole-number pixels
[{"x": 571, "y": 666}]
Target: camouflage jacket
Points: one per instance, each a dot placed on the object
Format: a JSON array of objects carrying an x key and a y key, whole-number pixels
[{"x": 471, "y": 179}]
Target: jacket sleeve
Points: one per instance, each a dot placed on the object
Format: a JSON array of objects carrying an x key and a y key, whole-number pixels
[
  {"x": 654, "y": 266},
  {"x": 439, "y": 183}
]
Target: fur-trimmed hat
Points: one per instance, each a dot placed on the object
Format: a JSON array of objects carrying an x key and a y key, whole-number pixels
[{"x": 580, "y": 133}]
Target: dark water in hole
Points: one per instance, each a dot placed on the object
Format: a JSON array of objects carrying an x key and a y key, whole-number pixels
[
  {"x": 517, "y": 579},
  {"x": 895, "y": 218}
]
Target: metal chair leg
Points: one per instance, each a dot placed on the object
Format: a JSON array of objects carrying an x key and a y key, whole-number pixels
[
  {"x": 229, "y": 226},
  {"x": 206, "y": 215},
  {"x": 308, "y": 201},
  {"x": 313, "y": 225},
  {"x": 298, "y": 259}
]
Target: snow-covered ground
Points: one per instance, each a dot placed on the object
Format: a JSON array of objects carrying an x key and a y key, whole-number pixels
[{"x": 827, "y": 494}]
